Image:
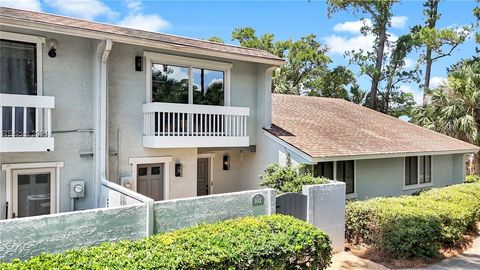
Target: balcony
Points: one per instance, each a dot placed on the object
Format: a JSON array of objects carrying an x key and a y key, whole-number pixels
[
  {"x": 169, "y": 125},
  {"x": 26, "y": 123}
]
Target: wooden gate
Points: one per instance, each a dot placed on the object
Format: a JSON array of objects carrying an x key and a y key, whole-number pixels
[{"x": 293, "y": 204}]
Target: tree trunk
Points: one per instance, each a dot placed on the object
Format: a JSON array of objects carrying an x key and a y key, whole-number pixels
[
  {"x": 431, "y": 22},
  {"x": 382, "y": 38}
]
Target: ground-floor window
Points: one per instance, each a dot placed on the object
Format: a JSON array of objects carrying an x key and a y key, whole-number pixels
[
  {"x": 32, "y": 189},
  {"x": 339, "y": 170},
  {"x": 418, "y": 171}
]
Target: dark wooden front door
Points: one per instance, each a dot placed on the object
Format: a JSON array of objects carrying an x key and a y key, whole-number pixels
[
  {"x": 150, "y": 181},
  {"x": 202, "y": 177}
]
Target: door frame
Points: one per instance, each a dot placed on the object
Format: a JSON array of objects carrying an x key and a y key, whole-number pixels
[
  {"x": 9, "y": 170},
  {"x": 165, "y": 160},
  {"x": 208, "y": 156}
]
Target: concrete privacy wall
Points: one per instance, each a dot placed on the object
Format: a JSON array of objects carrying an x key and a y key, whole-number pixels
[
  {"x": 26, "y": 237},
  {"x": 182, "y": 213},
  {"x": 326, "y": 210}
]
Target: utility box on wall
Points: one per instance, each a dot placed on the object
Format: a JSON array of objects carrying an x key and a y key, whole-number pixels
[{"x": 77, "y": 189}]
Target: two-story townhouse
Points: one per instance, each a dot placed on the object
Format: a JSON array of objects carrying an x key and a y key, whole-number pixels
[{"x": 85, "y": 102}]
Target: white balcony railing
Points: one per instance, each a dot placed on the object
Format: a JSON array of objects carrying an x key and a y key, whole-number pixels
[
  {"x": 187, "y": 125},
  {"x": 26, "y": 123}
]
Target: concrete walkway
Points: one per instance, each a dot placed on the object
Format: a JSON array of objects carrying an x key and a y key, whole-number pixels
[
  {"x": 346, "y": 261},
  {"x": 469, "y": 260}
]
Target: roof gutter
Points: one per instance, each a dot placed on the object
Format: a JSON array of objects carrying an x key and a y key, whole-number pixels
[{"x": 66, "y": 30}]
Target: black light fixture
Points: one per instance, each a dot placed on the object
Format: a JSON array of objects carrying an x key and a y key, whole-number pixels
[
  {"x": 226, "y": 162},
  {"x": 53, "y": 44},
  {"x": 138, "y": 63},
  {"x": 178, "y": 169}
]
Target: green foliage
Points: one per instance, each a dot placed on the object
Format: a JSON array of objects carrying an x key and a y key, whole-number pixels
[
  {"x": 288, "y": 178},
  {"x": 266, "y": 242},
  {"x": 216, "y": 39},
  {"x": 472, "y": 178},
  {"x": 306, "y": 58},
  {"x": 455, "y": 106},
  {"x": 415, "y": 226}
]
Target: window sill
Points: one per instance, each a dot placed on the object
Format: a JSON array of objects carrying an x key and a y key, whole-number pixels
[
  {"x": 351, "y": 196},
  {"x": 419, "y": 186}
]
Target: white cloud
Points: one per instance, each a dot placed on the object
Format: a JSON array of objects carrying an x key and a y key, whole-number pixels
[
  {"x": 352, "y": 26},
  {"x": 340, "y": 45},
  {"x": 399, "y": 21},
  {"x": 409, "y": 63},
  {"x": 151, "y": 22},
  {"x": 138, "y": 20},
  {"x": 134, "y": 5},
  {"x": 436, "y": 82},
  {"x": 417, "y": 95},
  {"x": 33, "y": 5},
  {"x": 85, "y": 9}
]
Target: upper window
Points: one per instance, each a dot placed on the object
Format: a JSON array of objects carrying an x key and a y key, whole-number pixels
[
  {"x": 170, "y": 83},
  {"x": 18, "y": 67},
  {"x": 418, "y": 170},
  {"x": 176, "y": 79}
]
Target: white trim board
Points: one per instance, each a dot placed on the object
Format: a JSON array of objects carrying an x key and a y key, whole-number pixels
[
  {"x": 9, "y": 171},
  {"x": 135, "y": 161}
]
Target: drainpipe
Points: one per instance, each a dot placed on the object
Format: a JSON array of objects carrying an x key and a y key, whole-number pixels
[{"x": 102, "y": 138}]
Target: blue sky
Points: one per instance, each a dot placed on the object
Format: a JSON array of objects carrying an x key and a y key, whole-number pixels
[{"x": 286, "y": 19}]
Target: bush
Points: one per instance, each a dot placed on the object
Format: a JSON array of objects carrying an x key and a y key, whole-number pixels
[
  {"x": 472, "y": 178},
  {"x": 288, "y": 178},
  {"x": 415, "y": 226},
  {"x": 266, "y": 242}
]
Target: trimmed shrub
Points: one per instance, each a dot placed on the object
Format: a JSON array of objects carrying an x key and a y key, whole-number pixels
[
  {"x": 266, "y": 242},
  {"x": 472, "y": 178},
  {"x": 415, "y": 226},
  {"x": 288, "y": 178}
]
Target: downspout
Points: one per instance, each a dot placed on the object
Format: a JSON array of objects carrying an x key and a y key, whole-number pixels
[{"x": 103, "y": 137}]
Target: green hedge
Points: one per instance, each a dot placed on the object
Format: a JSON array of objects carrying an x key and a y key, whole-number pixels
[
  {"x": 266, "y": 242},
  {"x": 415, "y": 226},
  {"x": 472, "y": 178},
  {"x": 288, "y": 178}
]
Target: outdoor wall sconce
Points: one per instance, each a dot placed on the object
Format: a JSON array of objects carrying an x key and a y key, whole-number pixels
[
  {"x": 138, "y": 63},
  {"x": 226, "y": 162},
  {"x": 52, "y": 44},
  {"x": 178, "y": 169}
]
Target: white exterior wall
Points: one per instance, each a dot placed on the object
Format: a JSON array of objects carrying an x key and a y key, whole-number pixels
[{"x": 67, "y": 77}]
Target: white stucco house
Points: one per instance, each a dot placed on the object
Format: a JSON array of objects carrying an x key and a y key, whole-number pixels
[{"x": 86, "y": 105}]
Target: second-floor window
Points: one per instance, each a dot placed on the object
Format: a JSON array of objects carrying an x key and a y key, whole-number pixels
[
  {"x": 18, "y": 67},
  {"x": 176, "y": 79}
]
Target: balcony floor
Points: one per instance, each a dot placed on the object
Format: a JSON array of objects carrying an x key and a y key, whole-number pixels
[
  {"x": 193, "y": 141},
  {"x": 26, "y": 144}
]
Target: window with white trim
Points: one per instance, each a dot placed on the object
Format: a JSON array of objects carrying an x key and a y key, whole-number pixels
[
  {"x": 176, "y": 79},
  {"x": 418, "y": 170}
]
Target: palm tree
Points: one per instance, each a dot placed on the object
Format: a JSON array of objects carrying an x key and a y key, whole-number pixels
[{"x": 455, "y": 106}]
